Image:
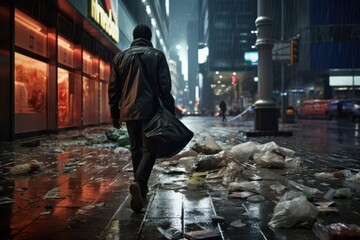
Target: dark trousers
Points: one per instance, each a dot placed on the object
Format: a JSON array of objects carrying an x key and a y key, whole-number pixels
[{"x": 142, "y": 160}]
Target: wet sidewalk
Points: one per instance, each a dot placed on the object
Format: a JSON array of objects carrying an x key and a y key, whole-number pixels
[{"x": 89, "y": 199}]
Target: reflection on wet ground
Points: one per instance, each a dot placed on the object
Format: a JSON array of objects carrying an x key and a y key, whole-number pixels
[{"x": 89, "y": 183}]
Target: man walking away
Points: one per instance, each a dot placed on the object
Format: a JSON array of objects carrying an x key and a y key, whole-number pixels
[
  {"x": 134, "y": 76},
  {"x": 223, "y": 110}
]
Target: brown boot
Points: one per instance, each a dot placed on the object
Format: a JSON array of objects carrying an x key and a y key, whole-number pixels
[{"x": 136, "y": 202}]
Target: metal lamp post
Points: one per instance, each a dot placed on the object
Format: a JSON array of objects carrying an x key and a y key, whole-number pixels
[{"x": 266, "y": 112}]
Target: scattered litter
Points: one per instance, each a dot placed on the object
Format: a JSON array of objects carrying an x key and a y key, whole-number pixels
[
  {"x": 293, "y": 212},
  {"x": 22, "y": 189},
  {"x": 254, "y": 177},
  {"x": 293, "y": 162},
  {"x": 277, "y": 187},
  {"x": 67, "y": 169},
  {"x": 327, "y": 210},
  {"x": 6, "y": 200},
  {"x": 194, "y": 182},
  {"x": 270, "y": 159},
  {"x": 57, "y": 150},
  {"x": 45, "y": 213},
  {"x": 290, "y": 195},
  {"x": 170, "y": 233},
  {"x": 201, "y": 234},
  {"x": 237, "y": 224},
  {"x": 244, "y": 151},
  {"x": 100, "y": 204},
  {"x": 242, "y": 195},
  {"x": 206, "y": 145},
  {"x": 305, "y": 189},
  {"x": 88, "y": 207},
  {"x": 207, "y": 162},
  {"x": 121, "y": 150},
  {"x": 338, "y": 193},
  {"x": 336, "y": 231},
  {"x": 256, "y": 199},
  {"x": 30, "y": 167},
  {"x": 217, "y": 219},
  {"x": 324, "y": 203},
  {"x": 245, "y": 186},
  {"x": 53, "y": 194}
]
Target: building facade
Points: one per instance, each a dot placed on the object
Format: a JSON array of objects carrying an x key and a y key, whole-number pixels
[{"x": 55, "y": 61}]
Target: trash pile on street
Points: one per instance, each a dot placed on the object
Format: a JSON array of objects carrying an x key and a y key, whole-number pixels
[{"x": 239, "y": 168}]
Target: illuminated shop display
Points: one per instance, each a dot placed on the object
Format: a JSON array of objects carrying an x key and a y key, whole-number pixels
[
  {"x": 30, "y": 34},
  {"x": 30, "y": 85},
  {"x": 65, "y": 98},
  {"x": 65, "y": 52},
  {"x": 90, "y": 101},
  {"x": 104, "y": 77},
  {"x": 90, "y": 89}
]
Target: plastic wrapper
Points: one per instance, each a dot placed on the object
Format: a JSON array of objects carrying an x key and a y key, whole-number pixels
[
  {"x": 269, "y": 159},
  {"x": 273, "y": 146},
  {"x": 244, "y": 186},
  {"x": 336, "y": 231},
  {"x": 207, "y": 162},
  {"x": 338, "y": 193},
  {"x": 232, "y": 171},
  {"x": 308, "y": 190},
  {"x": 244, "y": 151},
  {"x": 296, "y": 212},
  {"x": 30, "y": 167},
  {"x": 206, "y": 146},
  {"x": 293, "y": 162}
]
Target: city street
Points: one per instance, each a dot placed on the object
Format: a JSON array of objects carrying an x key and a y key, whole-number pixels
[{"x": 79, "y": 189}]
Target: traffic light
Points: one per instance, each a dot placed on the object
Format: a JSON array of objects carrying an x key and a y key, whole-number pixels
[{"x": 294, "y": 51}]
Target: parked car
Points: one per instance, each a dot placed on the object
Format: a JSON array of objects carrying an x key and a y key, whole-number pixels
[
  {"x": 344, "y": 108},
  {"x": 313, "y": 108}
]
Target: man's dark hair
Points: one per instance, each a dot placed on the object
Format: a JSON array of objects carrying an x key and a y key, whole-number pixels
[{"x": 142, "y": 31}]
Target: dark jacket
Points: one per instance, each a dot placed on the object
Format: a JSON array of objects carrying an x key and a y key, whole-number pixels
[{"x": 134, "y": 75}]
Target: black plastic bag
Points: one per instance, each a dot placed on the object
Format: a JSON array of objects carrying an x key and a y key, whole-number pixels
[{"x": 166, "y": 135}]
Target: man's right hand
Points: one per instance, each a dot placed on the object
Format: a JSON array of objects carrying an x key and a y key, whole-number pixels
[{"x": 116, "y": 123}]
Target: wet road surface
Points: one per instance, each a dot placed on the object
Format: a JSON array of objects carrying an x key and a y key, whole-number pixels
[{"x": 93, "y": 200}]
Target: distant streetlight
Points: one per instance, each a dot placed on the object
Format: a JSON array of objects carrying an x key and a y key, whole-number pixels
[{"x": 178, "y": 47}]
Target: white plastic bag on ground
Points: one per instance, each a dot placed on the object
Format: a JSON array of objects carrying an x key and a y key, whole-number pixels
[
  {"x": 273, "y": 146},
  {"x": 244, "y": 186},
  {"x": 244, "y": 151},
  {"x": 207, "y": 146},
  {"x": 293, "y": 162},
  {"x": 289, "y": 213},
  {"x": 207, "y": 162},
  {"x": 231, "y": 172},
  {"x": 269, "y": 159},
  {"x": 305, "y": 189}
]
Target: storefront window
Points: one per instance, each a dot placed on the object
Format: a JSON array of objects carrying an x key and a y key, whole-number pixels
[
  {"x": 104, "y": 70},
  {"x": 30, "y": 34},
  {"x": 30, "y": 85},
  {"x": 65, "y": 98},
  {"x": 30, "y": 93},
  {"x": 104, "y": 77},
  {"x": 90, "y": 101},
  {"x": 87, "y": 63},
  {"x": 65, "y": 52}
]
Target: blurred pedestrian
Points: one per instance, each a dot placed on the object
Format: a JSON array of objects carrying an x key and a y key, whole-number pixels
[
  {"x": 135, "y": 74},
  {"x": 223, "y": 110},
  {"x": 340, "y": 109}
]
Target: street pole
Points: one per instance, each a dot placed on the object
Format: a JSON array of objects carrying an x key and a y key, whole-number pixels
[
  {"x": 283, "y": 97},
  {"x": 266, "y": 114}
]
